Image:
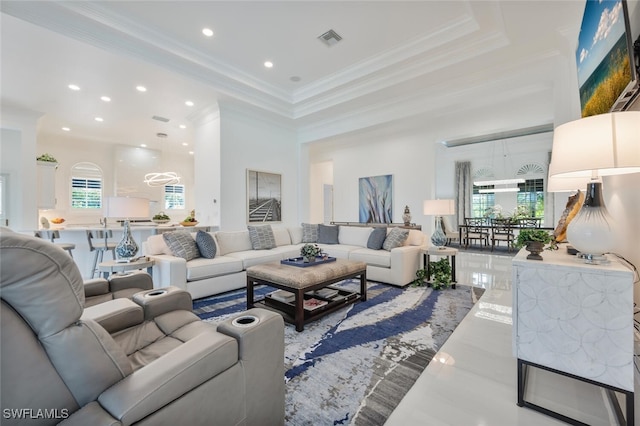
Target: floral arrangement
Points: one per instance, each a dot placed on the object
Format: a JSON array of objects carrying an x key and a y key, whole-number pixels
[
  {"x": 310, "y": 250},
  {"x": 494, "y": 211},
  {"x": 47, "y": 157}
]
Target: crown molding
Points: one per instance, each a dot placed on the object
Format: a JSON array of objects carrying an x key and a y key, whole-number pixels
[{"x": 91, "y": 23}]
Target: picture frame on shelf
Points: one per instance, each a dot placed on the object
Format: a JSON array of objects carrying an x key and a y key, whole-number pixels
[{"x": 264, "y": 197}]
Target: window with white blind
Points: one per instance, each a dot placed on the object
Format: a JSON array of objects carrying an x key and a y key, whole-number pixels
[
  {"x": 481, "y": 203},
  {"x": 173, "y": 197},
  {"x": 86, "y": 186},
  {"x": 531, "y": 197}
]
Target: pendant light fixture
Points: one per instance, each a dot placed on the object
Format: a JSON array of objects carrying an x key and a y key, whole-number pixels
[{"x": 156, "y": 179}]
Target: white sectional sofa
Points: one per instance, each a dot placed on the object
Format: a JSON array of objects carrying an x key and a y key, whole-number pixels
[{"x": 234, "y": 254}]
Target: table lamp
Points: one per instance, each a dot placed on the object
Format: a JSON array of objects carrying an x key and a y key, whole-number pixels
[
  {"x": 600, "y": 145},
  {"x": 438, "y": 208},
  {"x": 126, "y": 208}
]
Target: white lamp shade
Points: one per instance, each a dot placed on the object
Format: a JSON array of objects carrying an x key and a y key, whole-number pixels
[
  {"x": 126, "y": 207},
  {"x": 606, "y": 144},
  {"x": 566, "y": 184},
  {"x": 438, "y": 207}
]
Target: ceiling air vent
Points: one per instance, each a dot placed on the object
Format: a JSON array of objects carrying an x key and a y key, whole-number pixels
[
  {"x": 158, "y": 118},
  {"x": 330, "y": 38}
]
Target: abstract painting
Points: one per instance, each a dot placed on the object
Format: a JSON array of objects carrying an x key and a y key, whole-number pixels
[{"x": 376, "y": 199}]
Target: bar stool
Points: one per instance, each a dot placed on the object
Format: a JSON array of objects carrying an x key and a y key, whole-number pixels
[
  {"x": 98, "y": 242},
  {"x": 53, "y": 235}
]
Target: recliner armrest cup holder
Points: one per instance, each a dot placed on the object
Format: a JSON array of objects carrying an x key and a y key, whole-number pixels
[
  {"x": 155, "y": 293},
  {"x": 245, "y": 321},
  {"x": 162, "y": 300}
]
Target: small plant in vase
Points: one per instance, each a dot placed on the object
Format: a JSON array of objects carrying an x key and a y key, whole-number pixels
[
  {"x": 309, "y": 252},
  {"x": 534, "y": 241}
]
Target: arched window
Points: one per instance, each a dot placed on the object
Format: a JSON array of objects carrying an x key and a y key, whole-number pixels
[
  {"x": 531, "y": 195},
  {"x": 86, "y": 186}
]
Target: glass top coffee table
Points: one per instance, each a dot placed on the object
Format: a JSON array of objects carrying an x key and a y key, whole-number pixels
[{"x": 301, "y": 282}]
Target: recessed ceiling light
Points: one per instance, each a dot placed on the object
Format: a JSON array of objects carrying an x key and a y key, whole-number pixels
[
  {"x": 141, "y": 88},
  {"x": 74, "y": 87},
  {"x": 105, "y": 98},
  {"x": 208, "y": 32},
  {"x": 182, "y": 126},
  {"x": 66, "y": 129},
  {"x": 143, "y": 145},
  {"x": 185, "y": 144},
  {"x": 188, "y": 103},
  {"x": 268, "y": 64},
  {"x": 295, "y": 78},
  {"x": 190, "y": 152},
  {"x": 100, "y": 119}
]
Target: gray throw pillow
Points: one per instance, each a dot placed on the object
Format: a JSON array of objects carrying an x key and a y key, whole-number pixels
[
  {"x": 395, "y": 238},
  {"x": 181, "y": 244},
  {"x": 309, "y": 233},
  {"x": 376, "y": 238},
  {"x": 261, "y": 237},
  {"x": 328, "y": 234},
  {"x": 206, "y": 245}
]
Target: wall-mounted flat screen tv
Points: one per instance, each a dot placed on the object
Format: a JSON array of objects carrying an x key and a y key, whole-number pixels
[{"x": 606, "y": 73}]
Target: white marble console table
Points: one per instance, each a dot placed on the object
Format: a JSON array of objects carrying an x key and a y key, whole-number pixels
[{"x": 576, "y": 320}]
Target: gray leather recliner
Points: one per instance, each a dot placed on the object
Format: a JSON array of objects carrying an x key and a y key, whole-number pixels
[
  {"x": 170, "y": 368},
  {"x": 100, "y": 290}
]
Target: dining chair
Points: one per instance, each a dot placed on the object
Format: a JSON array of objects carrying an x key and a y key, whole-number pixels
[
  {"x": 476, "y": 228},
  {"x": 529, "y": 222},
  {"x": 502, "y": 230}
]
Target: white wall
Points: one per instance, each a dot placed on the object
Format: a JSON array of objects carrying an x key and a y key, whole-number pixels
[
  {"x": 504, "y": 158},
  {"x": 250, "y": 140},
  {"x": 207, "y": 163},
  {"x": 408, "y": 156},
  {"x": 18, "y": 152},
  {"x": 123, "y": 169}
]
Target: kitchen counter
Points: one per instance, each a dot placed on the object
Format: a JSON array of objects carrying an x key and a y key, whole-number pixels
[{"x": 76, "y": 234}]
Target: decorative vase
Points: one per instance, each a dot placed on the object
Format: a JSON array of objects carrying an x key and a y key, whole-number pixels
[
  {"x": 406, "y": 217},
  {"x": 127, "y": 247},
  {"x": 438, "y": 238},
  {"x": 534, "y": 248},
  {"x": 309, "y": 259},
  {"x": 592, "y": 232}
]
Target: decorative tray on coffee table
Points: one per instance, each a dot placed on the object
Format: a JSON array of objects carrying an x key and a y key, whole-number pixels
[{"x": 299, "y": 261}]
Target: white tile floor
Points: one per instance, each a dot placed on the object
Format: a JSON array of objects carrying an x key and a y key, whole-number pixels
[{"x": 475, "y": 381}]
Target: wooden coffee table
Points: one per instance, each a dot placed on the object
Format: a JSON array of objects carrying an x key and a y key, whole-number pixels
[{"x": 304, "y": 280}]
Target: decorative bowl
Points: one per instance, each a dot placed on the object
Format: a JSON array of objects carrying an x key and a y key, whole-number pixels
[
  {"x": 57, "y": 220},
  {"x": 188, "y": 223},
  {"x": 160, "y": 221}
]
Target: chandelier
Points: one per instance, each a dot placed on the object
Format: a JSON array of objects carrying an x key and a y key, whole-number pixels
[{"x": 161, "y": 178}]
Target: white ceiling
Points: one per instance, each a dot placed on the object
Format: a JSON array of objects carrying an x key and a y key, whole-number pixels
[{"x": 396, "y": 60}]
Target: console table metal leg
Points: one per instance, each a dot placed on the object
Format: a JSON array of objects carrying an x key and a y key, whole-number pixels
[{"x": 523, "y": 367}]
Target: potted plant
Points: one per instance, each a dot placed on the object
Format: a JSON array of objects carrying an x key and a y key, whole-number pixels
[
  {"x": 533, "y": 240},
  {"x": 309, "y": 252},
  {"x": 47, "y": 158},
  {"x": 440, "y": 271}
]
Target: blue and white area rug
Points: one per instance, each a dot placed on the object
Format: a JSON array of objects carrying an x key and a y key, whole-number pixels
[{"x": 355, "y": 365}]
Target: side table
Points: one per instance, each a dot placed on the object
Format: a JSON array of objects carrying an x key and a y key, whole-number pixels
[
  {"x": 444, "y": 251},
  {"x": 112, "y": 266}
]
